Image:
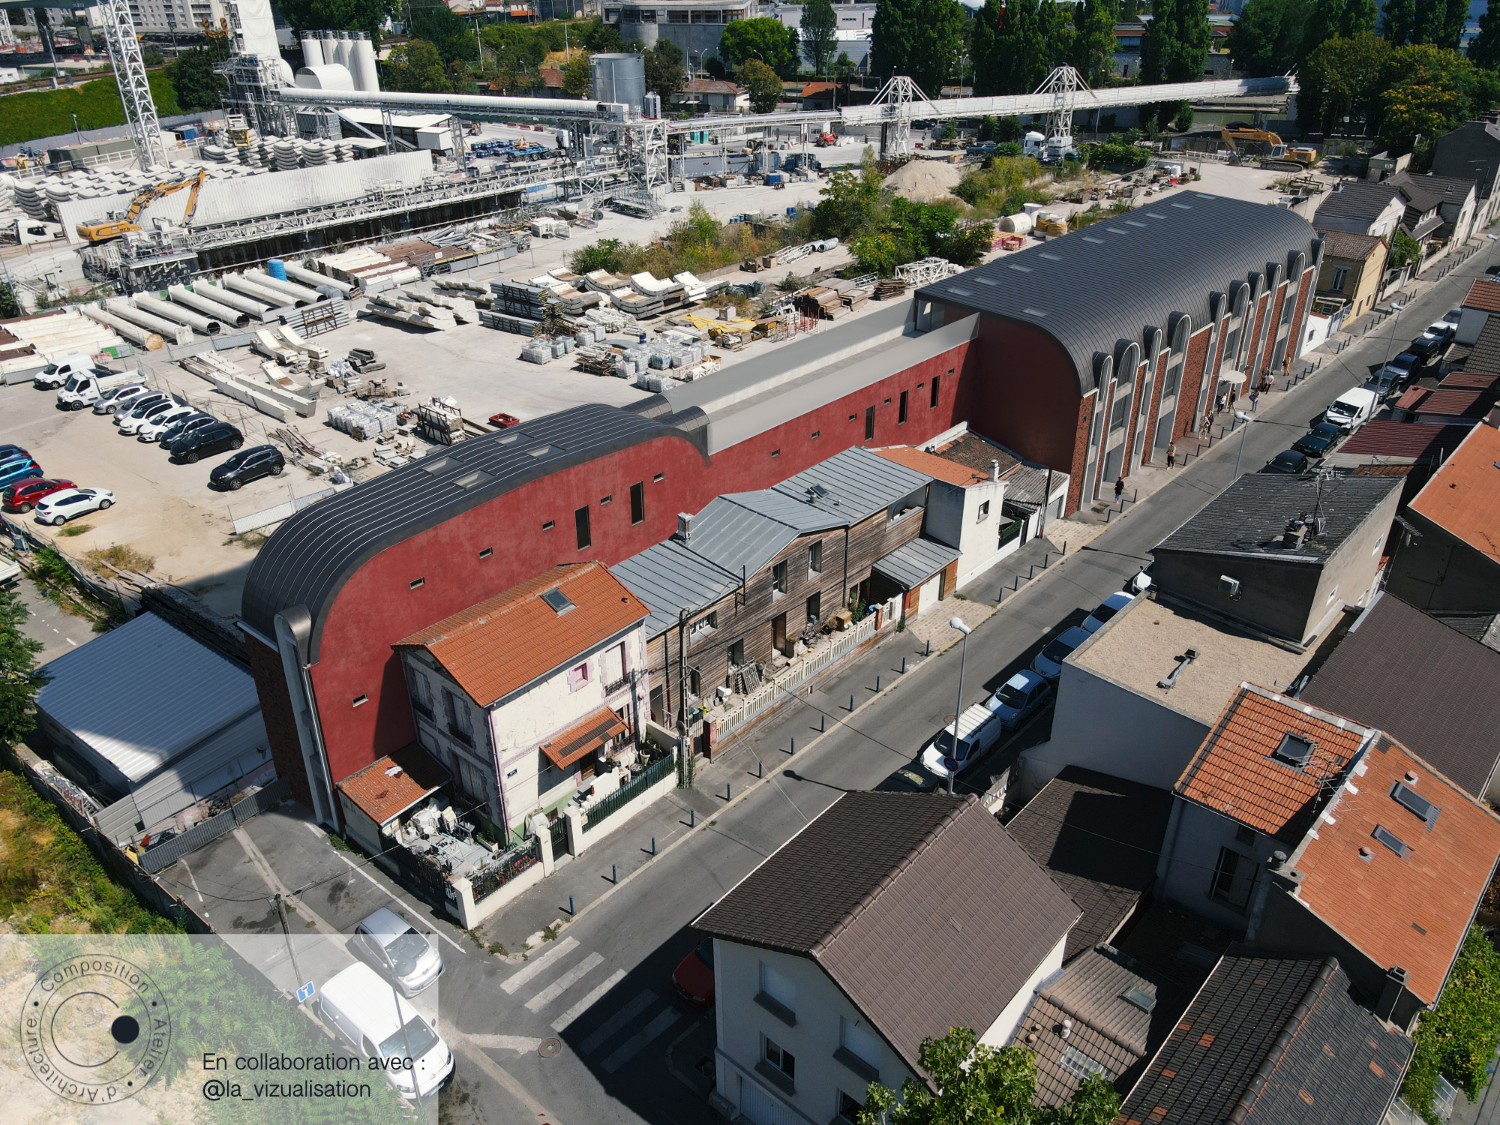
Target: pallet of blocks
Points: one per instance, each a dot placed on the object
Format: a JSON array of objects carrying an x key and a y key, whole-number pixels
[
  {"x": 439, "y": 420},
  {"x": 363, "y": 420},
  {"x": 888, "y": 287},
  {"x": 519, "y": 299},
  {"x": 472, "y": 291}
]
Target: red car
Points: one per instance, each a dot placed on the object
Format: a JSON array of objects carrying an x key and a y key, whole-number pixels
[
  {"x": 23, "y": 495},
  {"x": 694, "y": 975},
  {"x": 504, "y": 421}
]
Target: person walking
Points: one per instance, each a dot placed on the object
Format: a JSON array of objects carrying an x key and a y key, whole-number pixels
[
  {"x": 1254, "y": 398},
  {"x": 1172, "y": 455},
  {"x": 1119, "y": 487}
]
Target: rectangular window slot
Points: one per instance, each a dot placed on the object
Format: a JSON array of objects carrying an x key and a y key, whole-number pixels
[
  {"x": 487, "y": 552},
  {"x": 775, "y": 453},
  {"x": 1390, "y": 840},
  {"x": 361, "y": 699},
  {"x": 658, "y": 478},
  {"x": 637, "y": 503},
  {"x": 581, "y": 525},
  {"x": 549, "y": 525},
  {"x": 474, "y": 478},
  {"x": 901, "y": 412},
  {"x": 1294, "y": 750},
  {"x": 1410, "y": 799},
  {"x": 416, "y": 583},
  {"x": 1095, "y": 241},
  {"x": 816, "y": 434},
  {"x": 603, "y": 500}
]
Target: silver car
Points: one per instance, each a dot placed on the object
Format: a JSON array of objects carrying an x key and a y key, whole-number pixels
[{"x": 397, "y": 951}]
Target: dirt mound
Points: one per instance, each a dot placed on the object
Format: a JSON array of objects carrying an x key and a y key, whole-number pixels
[{"x": 925, "y": 181}]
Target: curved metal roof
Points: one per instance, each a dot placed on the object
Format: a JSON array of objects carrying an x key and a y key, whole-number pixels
[
  {"x": 1106, "y": 283},
  {"x": 308, "y": 560}
]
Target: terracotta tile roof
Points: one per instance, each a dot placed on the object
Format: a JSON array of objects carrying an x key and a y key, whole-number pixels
[
  {"x": 1386, "y": 437},
  {"x": 589, "y": 734},
  {"x": 1483, "y": 295},
  {"x": 934, "y": 466},
  {"x": 814, "y": 88},
  {"x": 1234, "y": 773},
  {"x": 1463, "y": 496},
  {"x": 552, "y": 77},
  {"x": 1410, "y": 910},
  {"x": 507, "y": 641},
  {"x": 1355, "y": 247},
  {"x": 711, "y": 86},
  {"x": 388, "y": 787}
]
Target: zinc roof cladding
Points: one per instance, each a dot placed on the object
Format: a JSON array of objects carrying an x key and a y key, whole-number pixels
[
  {"x": 1482, "y": 295},
  {"x": 919, "y": 906},
  {"x": 1463, "y": 496},
  {"x": 1411, "y": 910},
  {"x": 1099, "y": 837},
  {"x": 1166, "y": 257},
  {"x": 1352, "y": 247},
  {"x": 1356, "y": 199},
  {"x": 1271, "y": 1040},
  {"x": 382, "y": 794},
  {"x": 913, "y": 563},
  {"x": 1250, "y": 515},
  {"x": 1421, "y": 681},
  {"x": 512, "y": 639},
  {"x": 145, "y": 693},
  {"x": 1234, "y": 774},
  {"x": 1386, "y": 437},
  {"x": 308, "y": 560}
]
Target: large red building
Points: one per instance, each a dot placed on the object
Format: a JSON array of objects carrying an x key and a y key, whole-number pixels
[{"x": 1089, "y": 354}]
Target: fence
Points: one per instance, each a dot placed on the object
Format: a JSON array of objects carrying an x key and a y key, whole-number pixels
[
  {"x": 170, "y": 851},
  {"x": 558, "y": 830},
  {"x": 608, "y": 806},
  {"x": 517, "y": 860}
]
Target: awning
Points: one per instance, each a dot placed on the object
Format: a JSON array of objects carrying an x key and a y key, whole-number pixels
[
  {"x": 582, "y": 738},
  {"x": 911, "y": 565},
  {"x": 1234, "y": 378}
]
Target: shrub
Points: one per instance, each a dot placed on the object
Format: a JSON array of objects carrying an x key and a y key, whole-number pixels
[
  {"x": 1128, "y": 156},
  {"x": 1458, "y": 1039}
]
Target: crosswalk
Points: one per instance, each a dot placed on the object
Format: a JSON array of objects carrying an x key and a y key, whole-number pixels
[{"x": 565, "y": 980}]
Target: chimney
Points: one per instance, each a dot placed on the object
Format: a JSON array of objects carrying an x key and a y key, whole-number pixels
[
  {"x": 1295, "y": 534},
  {"x": 684, "y": 526},
  {"x": 1492, "y": 419},
  {"x": 1390, "y": 994},
  {"x": 994, "y": 470}
]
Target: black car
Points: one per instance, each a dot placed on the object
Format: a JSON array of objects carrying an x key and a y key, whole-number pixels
[
  {"x": 1289, "y": 462},
  {"x": 913, "y": 779},
  {"x": 184, "y": 426},
  {"x": 1318, "y": 440},
  {"x": 9, "y": 452},
  {"x": 206, "y": 442},
  {"x": 1426, "y": 346},
  {"x": 247, "y": 465}
]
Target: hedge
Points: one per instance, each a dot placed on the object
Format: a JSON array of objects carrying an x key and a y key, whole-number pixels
[{"x": 48, "y": 113}]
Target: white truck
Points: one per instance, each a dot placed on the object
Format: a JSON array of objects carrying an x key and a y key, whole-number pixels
[
  {"x": 84, "y": 388},
  {"x": 1352, "y": 409},
  {"x": 56, "y": 374},
  {"x": 979, "y": 729}
]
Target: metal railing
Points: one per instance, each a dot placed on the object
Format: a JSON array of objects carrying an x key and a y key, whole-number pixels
[
  {"x": 170, "y": 851},
  {"x": 558, "y": 830},
  {"x": 517, "y": 860},
  {"x": 608, "y": 806}
]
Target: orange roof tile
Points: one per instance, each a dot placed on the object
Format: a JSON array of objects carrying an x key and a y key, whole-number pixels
[
  {"x": 589, "y": 734},
  {"x": 507, "y": 641},
  {"x": 388, "y": 787},
  {"x": 933, "y": 465},
  {"x": 1463, "y": 497},
  {"x": 1234, "y": 774},
  {"x": 1483, "y": 295},
  {"x": 1412, "y": 910}
]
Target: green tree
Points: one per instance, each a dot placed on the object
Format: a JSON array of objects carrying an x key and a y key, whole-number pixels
[
  {"x": 1458, "y": 1039},
  {"x": 762, "y": 84},
  {"x": 416, "y": 67},
  {"x": 578, "y": 76},
  {"x": 20, "y": 679},
  {"x": 192, "y": 76},
  {"x": 598, "y": 36},
  {"x": 1404, "y": 250},
  {"x": 9, "y": 305},
  {"x": 1484, "y": 50},
  {"x": 1438, "y": 23},
  {"x": 763, "y": 38},
  {"x": 1343, "y": 78},
  {"x": 436, "y": 23},
  {"x": 664, "y": 69},
  {"x": 1174, "y": 47},
  {"x": 819, "y": 34},
  {"x": 917, "y": 38},
  {"x": 1267, "y": 39},
  {"x": 1341, "y": 19},
  {"x": 982, "y": 1084},
  {"x": 844, "y": 70},
  {"x": 1426, "y": 92},
  {"x": 851, "y": 202},
  {"x": 1012, "y": 54},
  {"x": 346, "y": 15},
  {"x": 1093, "y": 47}
]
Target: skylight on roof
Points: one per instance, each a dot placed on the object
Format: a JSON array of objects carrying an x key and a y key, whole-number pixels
[
  {"x": 1079, "y": 1065},
  {"x": 441, "y": 464},
  {"x": 1116, "y": 230},
  {"x": 1153, "y": 215},
  {"x": 1035, "y": 312},
  {"x": 1133, "y": 223},
  {"x": 543, "y": 450},
  {"x": 1138, "y": 997},
  {"x": 474, "y": 478},
  {"x": 1021, "y": 269},
  {"x": 1051, "y": 257},
  {"x": 960, "y": 292},
  {"x": 1095, "y": 241},
  {"x": 1390, "y": 840},
  {"x": 1295, "y": 750},
  {"x": 986, "y": 281},
  {"x": 1183, "y": 206},
  {"x": 558, "y": 601},
  {"x": 1409, "y": 798}
]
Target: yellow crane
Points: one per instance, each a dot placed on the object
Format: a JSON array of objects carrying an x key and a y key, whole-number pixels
[{"x": 102, "y": 230}]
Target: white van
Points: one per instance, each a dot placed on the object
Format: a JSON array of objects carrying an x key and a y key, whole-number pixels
[
  {"x": 56, "y": 374},
  {"x": 380, "y": 1025},
  {"x": 1352, "y": 409},
  {"x": 84, "y": 388}
]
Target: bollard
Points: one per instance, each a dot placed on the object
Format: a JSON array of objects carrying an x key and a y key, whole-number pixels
[
  {"x": 822, "y": 724},
  {"x": 903, "y": 665},
  {"x": 851, "y": 704},
  {"x": 929, "y": 647},
  {"x": 571, "y": 912},
  {"x": 692, "y": 817},
  {"x": 653, "y": 845},
  {"x": 793, "y": 749},
  {"x": 760, "y": 768},
  {"x": 614, "y": 875},
  {"x": 877, "y": 685},
  {"x": 726, "y": 791}
]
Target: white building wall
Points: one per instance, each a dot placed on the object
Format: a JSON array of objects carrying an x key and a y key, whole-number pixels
[
  {"x": 1190, "y": 856},
  {"x": 955, "y": 517},
  {"x": 1003, "y": 1029}
]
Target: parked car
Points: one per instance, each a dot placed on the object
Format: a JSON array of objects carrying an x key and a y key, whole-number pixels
[
  {"x": 1318, "y": 440},
  {"x": 1018, "y": 698},
  {"x": 1352, "y": 409},
  {"x": 1441, "y": 329},
  {"x": 9, "y": 452},
  {"x": 694, "y": 975},
  {"x": 247, "y": 465},
  {"x": 1288, "y": 461},
  {"x": 192, "y": 447},
  {"x": 381, "y": 1026},
  {"x": 84, "y": 388},
  {"x": 1451, "y": 318},
  {"x": 1406, "y": 363},
  {"x": 145, "y": 415},
  {"x": 18, "y": 467},
  {"x": 195, "y": 421},
  {"x": 396, "y": 950},
  {"x": 24, "y": 495},
  {"x": 978, "y": 729},
  {"x": 913, "y": 779},
  {"x": 110, "y": 401},
  {"x": 504, "y": 421},
  {"x": 1105, "y": 610},
  {"x": 71, "y": 503},
  {"x": 144, "y": 403},
  {"x": 1048, "y": 663},
  {"x": 1428, "y": 344},
  {"x": 56, "y": 374},
  {"x": 153, "y": 426}
]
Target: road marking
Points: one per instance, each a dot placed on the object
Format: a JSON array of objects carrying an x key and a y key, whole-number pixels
[
  {"x": 563, "y": 947},
  {"x": 617, "y": 1021},
  {"x": 520, "y": 1043},
  {"x": 632, "y": 1046},
  {"x": 71, "y": 641},
  {"x": 192, "y": 879},
  {"x": 377, "y": 885},
  {"x": 564, "y": 982},
  {"x": 588, "y": 1001}
]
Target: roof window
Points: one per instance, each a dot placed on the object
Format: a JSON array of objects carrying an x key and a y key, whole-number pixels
[
  {"x": 474, "y": 478},
  {"x": 1116, "y": 230},
  {"x": 1138, "y": 997},
  {"x": 557, "y": 600},
  {"x": 1410, "y": 799},
  {"x": 1153, "y": 215},
  {"x": 1095, "y": 241},
  {"x": 986, "y": 281},
  {"x": 1021, "y": 269},
  {"x": 442, "y": 465},
  {"x": 543, "y": 450},
  {"x": 1295, "y": 750},
  {"x": 960, "y": 292},
  {"x": 1052, "y": 257},
  {"x": 1183, "y": 206},
  {"x": 1079, "y": 1065},
  {"x": 1034, "y": 312},
  {"x": 1390, "y": 840},
  {"x": 1133, "y": 223}
]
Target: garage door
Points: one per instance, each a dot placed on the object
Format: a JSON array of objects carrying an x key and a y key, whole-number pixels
[
  {"x": 928, "y": 596},
  {"x": 761, "y": 1108}
]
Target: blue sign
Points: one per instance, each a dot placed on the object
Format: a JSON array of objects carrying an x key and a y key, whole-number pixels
[{"x": 305, "y": 992}]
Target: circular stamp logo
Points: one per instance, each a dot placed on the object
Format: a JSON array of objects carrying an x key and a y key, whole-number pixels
[{"x": 95, "y": 1029}]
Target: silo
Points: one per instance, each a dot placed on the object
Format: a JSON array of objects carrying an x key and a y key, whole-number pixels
[
  {"x": 620, "y": 78},
  {"x": 312, "y": 50},
  {"x": 366, "y": 74},
  {"x": 341, "y": 51}
]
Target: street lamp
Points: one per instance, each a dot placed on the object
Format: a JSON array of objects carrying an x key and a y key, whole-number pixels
[
  {"x": 957, "y": 623},
  {"x": 1241, "y": 416},
  {"x": 1392, "y": 339}
]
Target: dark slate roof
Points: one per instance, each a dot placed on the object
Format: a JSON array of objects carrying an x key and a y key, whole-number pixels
[
  {"x": 1093, "y": 288},
  {"x": 1280, "y": 1041},
  {"x": 1429, "y": 191},
  {"x": 1422, "y": 682},
  {"x": 1356, "y": 199},
  {"x": 311, "y": 556},
  {"x": 1383, "y": 436},
  {"x": 1250, "y": 515},
  {"x": 1099, "y": 837},
  {"x": 919, "y": 906}
]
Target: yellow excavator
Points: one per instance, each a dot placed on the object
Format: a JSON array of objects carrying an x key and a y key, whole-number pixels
[
  {"x": 102, "y": 230},
  {"x": 1247, "y": 140}
]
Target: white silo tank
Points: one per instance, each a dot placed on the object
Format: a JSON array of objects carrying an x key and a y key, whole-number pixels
[
  {"x": 619, "y": 78},
  {"x": 312, "y": 50},
  {"x": 367, "y": 74},
  {"x": 341, "y": 51}
]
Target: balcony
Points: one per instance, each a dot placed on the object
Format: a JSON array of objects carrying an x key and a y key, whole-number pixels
[{"x": 616, "y": 685}]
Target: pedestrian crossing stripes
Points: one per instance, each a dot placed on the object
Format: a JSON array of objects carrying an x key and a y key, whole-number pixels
[
  {"x": 564, "y": 982},
  {"x": 562, "y": 1021},
  {"x": 540, "y": 965},
  {"x": 617, "y": 1021},
  {"x": 632, "y": 1046}
]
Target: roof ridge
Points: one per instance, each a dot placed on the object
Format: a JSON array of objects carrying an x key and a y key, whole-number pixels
[
  {"x": 890, "y": 877},
  {"x": 1289, "y": 1030}
]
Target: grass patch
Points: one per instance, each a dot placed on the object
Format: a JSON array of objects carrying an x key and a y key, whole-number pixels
[
  {"x": 74, "y": 529},
  {"x": 497, "y": 949},
  {"x": 251, "y": 540},
  {"x": 118, "y": 557},
  {"x": 338, "y": 843},
  {"x": 550, "y": 933},
  {"x": 48, "y": 113}
]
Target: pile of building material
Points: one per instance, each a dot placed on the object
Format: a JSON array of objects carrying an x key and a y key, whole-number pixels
[
  {"x": 520, "y": 325},
  {"x": 317, "y": 280},
  {"x": 169, "y": 330},
  {"x": 693, "y": 290},
  {"x": 362, "y": 420},
  {"x": 206, "y": 305},
  {"x": 542, "y": 227},
  {"x": 411, "y": 310},
  {"x": 31, "y": 342},
  {"x": 439, "y": 420},
  {"x": 888, "y": 287},
  {"x": 563, "y": 285},
  {"x": 373, "y": 272},
  {"x": 602, "y": 281},
  {"x": 462, "y": 308},
  {"x": 822, "y": 302},
  {"x": 519, "y": 298},
  {"x": 612, "y": 320},
  {"x": 276, "y": 396},
  {"x": 469, "y": 290},
  {"x": 143, "y": 337}
]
